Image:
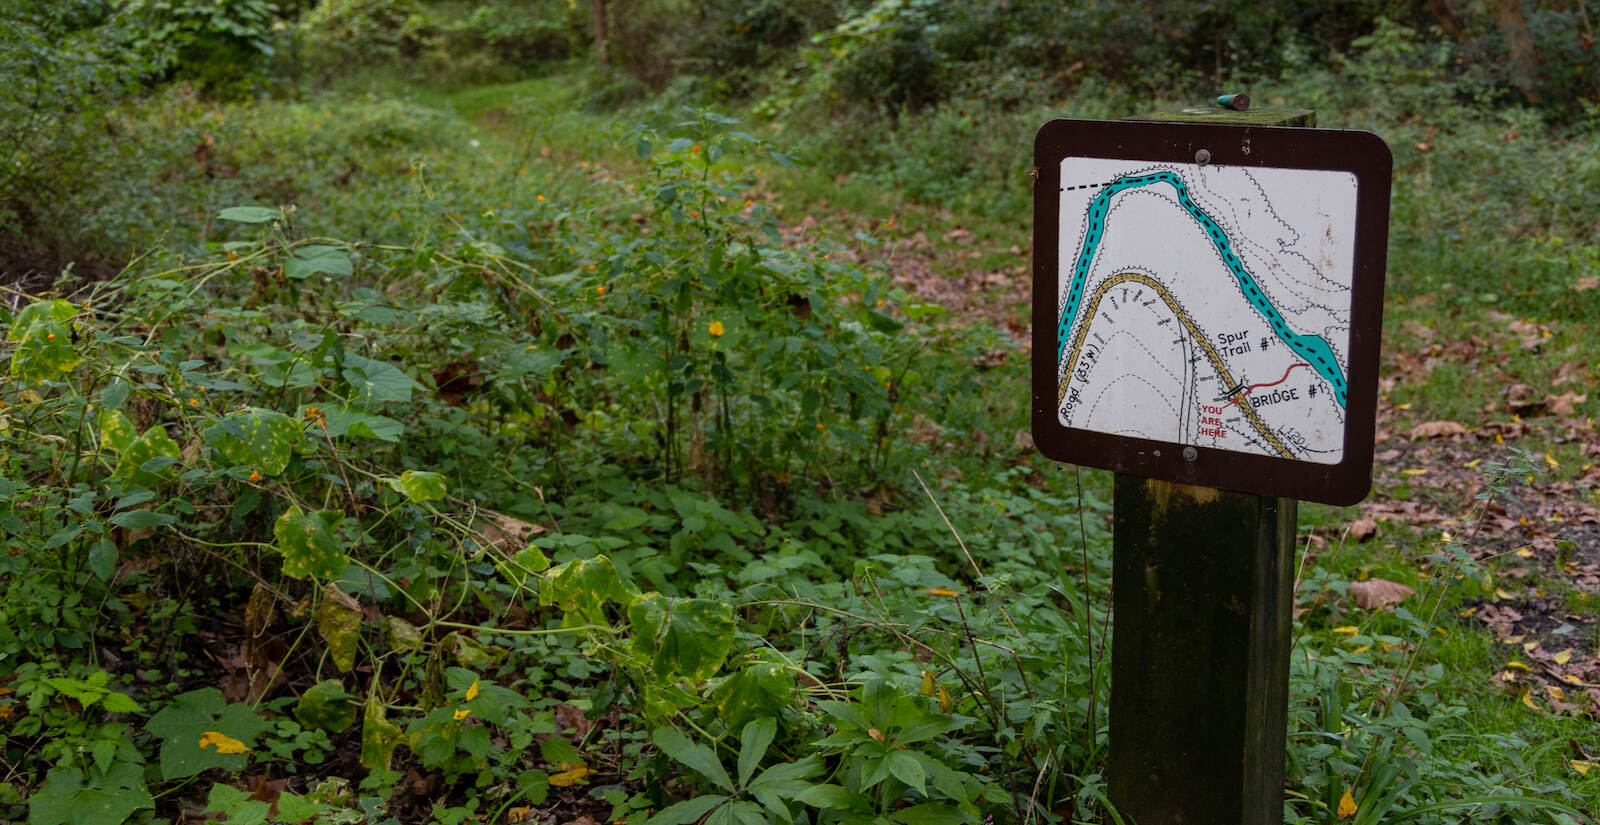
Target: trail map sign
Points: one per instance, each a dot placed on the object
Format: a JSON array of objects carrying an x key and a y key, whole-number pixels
[{"x": 1207, "y": 303}]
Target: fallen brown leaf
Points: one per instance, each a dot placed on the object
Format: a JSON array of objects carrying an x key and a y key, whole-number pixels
[
  {"x": 1373, "y": 594},
  {"x": 1565, "y": 403},
  {"x": 1437, "y": 429},
  {"x": 1363, "y": 528},
  {"x": 1586, "y": 283}
]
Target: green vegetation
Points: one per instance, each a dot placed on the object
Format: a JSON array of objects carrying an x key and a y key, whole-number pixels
[{"x": 410, "y": 417}]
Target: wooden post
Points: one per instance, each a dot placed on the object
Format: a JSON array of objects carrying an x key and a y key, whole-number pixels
[{"x": 1202, "y": 597}]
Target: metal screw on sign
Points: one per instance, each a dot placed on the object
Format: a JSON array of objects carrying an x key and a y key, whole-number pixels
[{"x": 1202, "y": 157}]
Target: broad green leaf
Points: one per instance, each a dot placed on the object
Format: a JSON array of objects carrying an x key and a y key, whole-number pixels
[
  {"x": 379, "y": 736},
  {"x": 339, "y": 624},
  {"x": 313, "y": 260},
  {"x": 376, "y": 381},
  {"x": 688, "y": 638},
  {"x": 695, "y": 756},
  {"x": 343, "y": 421},
  {"x": 296, "y": 808},
  {"x": 419, "y": 485},
  {"x": 250, "y": 214},
  {"x": 110, "y": 799},
  {"x": 932, "y": 813},
  {"x": 688, "y": 811},
  {"x": 780, "y": 783},
  {"x": 524, "y": 565},
  {"x": 753, "y": 743},
  {"x": 905, "y": 767},
  {"x": 181, "y": 724},
  {"x": 327, "y": 705},
  {"x": 737, "y": 812},
  {"x": 581, "y": 588},
  {"x": 112, "y": 396},
  {"x": 135, "y": 519},
  {"x": 237, "y": 804},
  {"x": 308, "y": 543},
  {"x": 254, "y": 438},
  {"x": 834, "y": 797}
]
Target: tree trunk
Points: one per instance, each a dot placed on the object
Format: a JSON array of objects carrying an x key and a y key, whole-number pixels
[
  {"x": 1449, "y": 23},
  {"x": 600, "y": 31},
  {"x": 1513, "y": 24}
]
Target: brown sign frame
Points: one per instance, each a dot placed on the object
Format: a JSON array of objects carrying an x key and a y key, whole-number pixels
[{"x": 1361, "y": 153}]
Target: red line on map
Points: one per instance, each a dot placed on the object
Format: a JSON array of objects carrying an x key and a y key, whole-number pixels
[{"x": 1254, "y": 387}]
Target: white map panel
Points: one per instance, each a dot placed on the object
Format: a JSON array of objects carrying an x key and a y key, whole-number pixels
[{"x": 1206, "y": 305}]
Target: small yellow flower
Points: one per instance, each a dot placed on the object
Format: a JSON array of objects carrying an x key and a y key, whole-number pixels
[
  {"x": 716, "y": 329},
  {"x": 592, "y": 267},
  {"x": 540, "y": 197},
  {"x": 194, "y": 402},
  {"x": 749, "y": 203},
  {"x": 255, "y": 475},
  {"x": 50, "y": 336},
  {"x": 601, "y": 289},
  {"x": 312, "y": 414}
]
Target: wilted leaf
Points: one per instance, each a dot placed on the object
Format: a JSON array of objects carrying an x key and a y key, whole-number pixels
[
  {"x": 308, "y": 543},
  {"x": 506, "y": 532},
  {"x": 339, "y": 624},
  {"x": 1437, "y": 429},
  {"x": 570, "y": 775},
  {"x": 1375, "y": 593},
  {"x": 1347, "y": 805},
  {"x": 379, "y": 736},
  {"x": 255, "y": 438},
  {"x": 221, "y": 743},
  {"x": 1586, "y": 283},
  {"x": 581, "y": 588},
  {"x": 687, "y": 638},
  {"x": 1363, "y": 528}
]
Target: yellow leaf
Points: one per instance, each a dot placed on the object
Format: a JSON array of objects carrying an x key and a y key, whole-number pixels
[
  {"x": 1551, "y": 460},
  {"x": 1563, "y": 657},
  {"x": 461, "y": 713},
  {"x": 472, "y": 692},
  {"x": 521, "y": 813},
  {"x": 1415, "y": 471},
  {"x": 940, "y": 591},
  {"x": 1362, "y": 649},
  {"x": 1572, "y": 679},
  {"x": 1473, "y": 463},
  {"x": 1347, "y": 805},
  {"x": 1348, "y": 630},
  {"x": 1527, "y": 699},
  {"x": 1525, "y": 552},
  {"x": 1518, "y": 665},
  {"x": 946, "y": 703},
  {"x": 1581, "y": 766},
  {"x": 930, "y": 685},
  {"x": 570, "y": 774},
  {"x": 1555, "y": 693},
  {"x": 1501, "y": 593},
  {"x": 222, "y": 742}
]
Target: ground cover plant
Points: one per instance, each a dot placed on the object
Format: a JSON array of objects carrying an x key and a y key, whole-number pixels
[{"x": 473, "y": 450}]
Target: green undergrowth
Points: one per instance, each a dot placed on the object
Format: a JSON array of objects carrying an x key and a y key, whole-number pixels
[{"x": 404, "y": 447}]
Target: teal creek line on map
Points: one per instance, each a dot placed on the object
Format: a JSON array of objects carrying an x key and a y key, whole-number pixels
[{"x": 1314, "y": 348}]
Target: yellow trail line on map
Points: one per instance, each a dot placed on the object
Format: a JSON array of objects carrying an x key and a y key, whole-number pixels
[{"x": 1194, "y": 332}]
